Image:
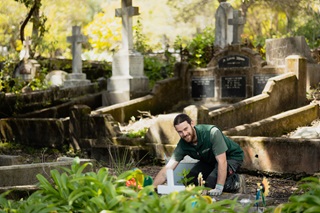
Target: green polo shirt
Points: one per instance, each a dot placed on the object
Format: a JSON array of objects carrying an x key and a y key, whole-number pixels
[{"x": 211, "y": 142}]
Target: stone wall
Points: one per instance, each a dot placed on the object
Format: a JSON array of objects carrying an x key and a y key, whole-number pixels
[
  {"x": 50, "y": 103},
  {"x": 279, "y": 95},
  {"x": 280, "y": 155},
  {"x": 277, "y": 125}
]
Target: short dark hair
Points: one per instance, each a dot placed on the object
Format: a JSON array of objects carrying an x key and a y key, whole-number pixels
[{"x": 181, "y": 118}]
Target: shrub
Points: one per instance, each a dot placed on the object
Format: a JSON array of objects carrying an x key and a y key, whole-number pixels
[
  {"x": 307, "y": 202},
  {"x": 75, "y": 191}
]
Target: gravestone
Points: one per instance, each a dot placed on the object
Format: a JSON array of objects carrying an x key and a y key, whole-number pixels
[
  {"x": 228, "y": 25},
  {"x": 128, "y": 80},
  {"x": 223, "y": 31},
  {"x": 76, "y": 78},
  {"x": 233, "y": 74},
  {"x": 237, "y": 22},
  {"x": 27, "y": 68},
  {"x": 56, "y": 77},
  {"x": 278, "y": 49}
]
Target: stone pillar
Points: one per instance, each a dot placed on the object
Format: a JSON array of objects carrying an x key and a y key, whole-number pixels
[
  {"x": 76, "y": 78},
  {"x": 298, "y": 65},
  {"x": 128, "y": 80}
]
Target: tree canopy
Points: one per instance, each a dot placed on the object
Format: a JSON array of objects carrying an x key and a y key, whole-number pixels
[{"x": 50, "y": 22}]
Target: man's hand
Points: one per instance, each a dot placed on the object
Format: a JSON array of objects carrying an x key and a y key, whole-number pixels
[{"x": 216, "y": 191}]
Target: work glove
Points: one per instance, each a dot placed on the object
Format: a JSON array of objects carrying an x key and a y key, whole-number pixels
[{"x": 216, "y": 191}]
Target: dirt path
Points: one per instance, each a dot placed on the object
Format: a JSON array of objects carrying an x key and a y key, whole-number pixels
[{"x": 279, "y": 192}]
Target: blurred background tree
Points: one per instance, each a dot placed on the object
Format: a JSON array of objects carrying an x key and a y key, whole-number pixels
[{"x": 163, "y": 22}]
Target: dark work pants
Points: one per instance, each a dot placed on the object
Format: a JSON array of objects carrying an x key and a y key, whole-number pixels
[{"x": 210, "y": 174}]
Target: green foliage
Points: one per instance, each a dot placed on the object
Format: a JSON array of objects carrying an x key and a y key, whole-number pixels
[
  {"x": 185, "y": 180},
  {"x": 39, "y": 83},
  {"x": 199, "y": 48},
  {"x": 309, "y": 201},
  {"x": 157, "y": 68},
  {"x": 122, "y": 160},
  {"x": 73, "y": 190},
  {"x": 138, "y": 133},
  {"x": 198, "y": 45},
  {"x": 140, "y": 39},
  {"x": 7, "y": 82}
]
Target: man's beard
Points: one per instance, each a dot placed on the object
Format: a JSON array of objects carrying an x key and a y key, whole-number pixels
[{"x": 190, "y": 137}]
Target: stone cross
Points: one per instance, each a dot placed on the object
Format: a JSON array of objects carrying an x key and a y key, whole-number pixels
[
  {"x": 26, "y": 44},
  {"x": 126, "y": 12},
  {"x": 76, "y": 40},
  {"x": 237, "y": 21}
]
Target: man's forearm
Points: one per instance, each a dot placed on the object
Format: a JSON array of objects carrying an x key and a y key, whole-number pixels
[
  {"x": 222, "y": 173},
  {"x": 160, "y": 178}
]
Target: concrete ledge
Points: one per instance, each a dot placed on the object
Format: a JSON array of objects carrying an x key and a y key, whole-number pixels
[
  {"x": 279, "y": 124},
  {"x": 25, "y": 174},
  {"x": 280, "y": 155},
  {"x": 8, "y": 160}
]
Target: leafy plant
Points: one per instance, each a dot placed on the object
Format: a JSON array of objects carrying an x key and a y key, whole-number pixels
[
  {"x": 140, "y": 133},
  {"x": 184, "y": 179},
  {"x": 309, "y": 201},
  {"x": 72, "y": 190},
  {"x": 198, "y": 48}
]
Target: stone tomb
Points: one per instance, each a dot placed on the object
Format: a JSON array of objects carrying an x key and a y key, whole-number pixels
[{"x": 233, "y": 74}]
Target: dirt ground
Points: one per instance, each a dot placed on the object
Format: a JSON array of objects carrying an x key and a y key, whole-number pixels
[{"x": 280, "y": 188}]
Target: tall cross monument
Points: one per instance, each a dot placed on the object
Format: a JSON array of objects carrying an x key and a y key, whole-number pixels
[
  {"x": 229, "y": 25},
  {"x": 237, "y": 22},
  {"x": 128, "y": 80},
  {"x": 76, "y": 78}
]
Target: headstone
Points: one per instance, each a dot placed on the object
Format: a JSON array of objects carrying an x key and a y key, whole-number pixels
[
  {"x": 223, "y": 31},
  {"x": 25, "y": 52},
  {"x": 56, "y": 77},
  {"x": 278, "y": 49},
  {"x": 76, "y": 78},
  {"x": 128, "y": 80},
  {"x": 237, "y": 22},
  {"x": 27, "y": 68}
]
